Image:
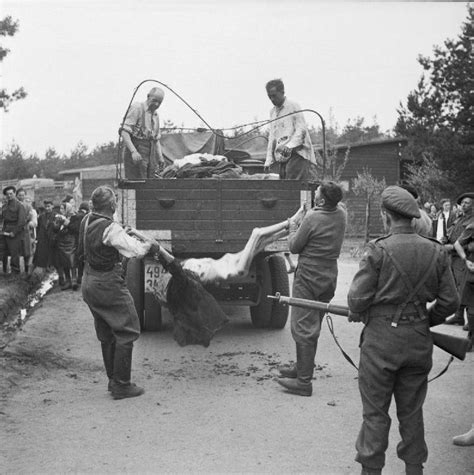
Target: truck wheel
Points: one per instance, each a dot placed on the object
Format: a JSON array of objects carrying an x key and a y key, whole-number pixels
[
  {"x": 152, "y": 318},
  {"x": 134, "y": 281},
  {"x": 280, "y": 283},
  {"x": 274, "y": 278}
]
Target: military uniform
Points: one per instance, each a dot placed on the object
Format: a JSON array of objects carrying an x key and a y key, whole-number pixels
[
  {"x": 398, "y": 274},
  {"x": 14, "y": 221}
]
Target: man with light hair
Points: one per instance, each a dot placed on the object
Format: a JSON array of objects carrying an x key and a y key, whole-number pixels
[
  {"x": 102, "y": 243},
  {"x": 140, "y": 132},
  {"x": 289, "y": 150}
]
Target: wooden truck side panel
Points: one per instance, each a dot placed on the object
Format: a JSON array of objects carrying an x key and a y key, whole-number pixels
[{"x": 209, "y": 216}]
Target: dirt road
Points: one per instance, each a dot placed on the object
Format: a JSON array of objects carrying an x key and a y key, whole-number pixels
[{"x": 204, "y": 410}]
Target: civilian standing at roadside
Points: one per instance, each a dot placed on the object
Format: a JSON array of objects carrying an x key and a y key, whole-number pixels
[{"x": 464, "y": 219}]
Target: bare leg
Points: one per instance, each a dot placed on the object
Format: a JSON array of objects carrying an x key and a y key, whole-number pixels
[{"x": 238, "y": 264}]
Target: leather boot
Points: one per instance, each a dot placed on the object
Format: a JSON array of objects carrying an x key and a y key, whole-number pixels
[
  {"x": 370, "y": 471},
  {"x": 413, "y": 469},
  {"x": 75, "y": 285},
  {"x": 108, "y": 352},
  {"x": 122, "y": 387},
  {"x": 470, "y": 329},
  {"x": 67, "y": 284},
  {"x": 465, "y": 439},
  {"x": 288, "y": 371},
  {"x": 301, "y": 385},
  {"x": 457, "y": 318}
]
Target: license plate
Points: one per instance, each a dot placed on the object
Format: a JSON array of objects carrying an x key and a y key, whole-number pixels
[{"x": 156, "y": 278}]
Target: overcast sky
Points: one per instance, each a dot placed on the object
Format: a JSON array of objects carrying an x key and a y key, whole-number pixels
[{"x": 80, "y": 61}]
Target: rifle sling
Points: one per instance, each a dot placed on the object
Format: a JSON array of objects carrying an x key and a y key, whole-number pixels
[{"x": 411, "y": 288}]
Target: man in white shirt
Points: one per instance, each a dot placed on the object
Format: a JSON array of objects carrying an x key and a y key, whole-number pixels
[
  {"x": 289, "y": 145},
  {"x": 141, "y": 135},
  {"x": 444, "y": 222}
]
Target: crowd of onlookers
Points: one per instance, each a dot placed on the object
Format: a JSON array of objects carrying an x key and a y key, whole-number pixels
[
  {"x": 442, "y": 215},
  {"x": 46, "y": 237}
]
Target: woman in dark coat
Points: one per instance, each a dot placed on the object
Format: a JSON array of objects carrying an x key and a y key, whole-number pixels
[
  {"x": 43, "y": 257},
  {"x": 66, "y": 244}
]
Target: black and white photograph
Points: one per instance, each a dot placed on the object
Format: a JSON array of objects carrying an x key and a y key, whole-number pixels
[{"x": 236, "y": 236}]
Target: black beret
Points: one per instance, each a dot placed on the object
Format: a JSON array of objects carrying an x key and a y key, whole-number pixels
[
  {"x": 467, "y": 194},
  {"x": 48, "y": 202},
  {"x": 399, "y": 200},
  {"x": 9, "y": 187}
]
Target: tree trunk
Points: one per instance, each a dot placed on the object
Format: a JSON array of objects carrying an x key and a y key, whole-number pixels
[{"x": 367, "y": 219}]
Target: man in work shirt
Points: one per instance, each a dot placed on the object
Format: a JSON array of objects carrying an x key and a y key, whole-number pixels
[
  {"x": 398, "y": 275},
  {"x": 317, "y": 241},
  {"x": 14, "y": 221},
  {"x": 289, "y": 143},
  {"x": 102, "y": 242},
  {"x": 141, "y": 135}
]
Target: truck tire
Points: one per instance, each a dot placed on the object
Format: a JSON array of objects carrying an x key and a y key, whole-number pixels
[
  {"x": 152, "y": 318},
  {"x": 280, "y": 283},
  {"x": 273, "y": 278},
  {"x": 135, "y": 285}
]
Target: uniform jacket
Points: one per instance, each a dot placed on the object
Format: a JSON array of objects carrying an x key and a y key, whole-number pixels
[
  {"x": 378, "y": 282},
  {"x": 14, "y": 216}
]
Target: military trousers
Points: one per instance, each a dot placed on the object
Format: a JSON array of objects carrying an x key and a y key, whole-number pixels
[
  {"x": 110, "y": 302},
  {"x": 313, "y": 281},
  {"x": 12, "y": 246},
  {"x": 393, "y": 362}
]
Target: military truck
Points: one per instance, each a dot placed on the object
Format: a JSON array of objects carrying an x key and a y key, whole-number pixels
[{"x": 208, "y": 218}]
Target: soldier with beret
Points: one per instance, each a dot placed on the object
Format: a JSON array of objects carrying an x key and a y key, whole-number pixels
[
  {"x": 398, "y": 275},
  {"x": 14, "y": 221}
]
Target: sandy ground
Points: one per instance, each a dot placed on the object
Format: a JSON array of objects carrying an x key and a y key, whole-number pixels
[{"x": 215, "y": 409}]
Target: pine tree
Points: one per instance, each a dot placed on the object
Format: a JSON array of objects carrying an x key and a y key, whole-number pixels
[{"x": 438, "y": 115}]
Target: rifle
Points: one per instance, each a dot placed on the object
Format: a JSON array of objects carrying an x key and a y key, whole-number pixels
[{"x": 451, "y": 344}]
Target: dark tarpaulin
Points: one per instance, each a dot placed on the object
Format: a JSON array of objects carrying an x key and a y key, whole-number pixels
[{"x": 177, "y": 146}]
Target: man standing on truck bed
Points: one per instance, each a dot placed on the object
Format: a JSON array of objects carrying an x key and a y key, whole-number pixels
[
  {"x": 140, "y": 132},
  {"x": 289, "y": 143}
]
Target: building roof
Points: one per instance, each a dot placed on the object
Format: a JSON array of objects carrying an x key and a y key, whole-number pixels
[{"x": 71, "y": 171}]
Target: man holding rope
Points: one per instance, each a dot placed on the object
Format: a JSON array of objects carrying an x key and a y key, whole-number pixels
[
  {"x": 141, "y": 135},
  {"x": 398, "y": 275}
]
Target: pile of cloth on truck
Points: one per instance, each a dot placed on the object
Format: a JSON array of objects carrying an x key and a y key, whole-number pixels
[{"x": 207, "y": 155}]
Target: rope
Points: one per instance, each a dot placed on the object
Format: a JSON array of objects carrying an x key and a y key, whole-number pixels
[{"x": 216, "y": 132}]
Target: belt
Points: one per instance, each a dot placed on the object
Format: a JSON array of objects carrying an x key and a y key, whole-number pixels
[{"x": 409, "y": 313}]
